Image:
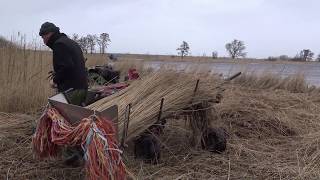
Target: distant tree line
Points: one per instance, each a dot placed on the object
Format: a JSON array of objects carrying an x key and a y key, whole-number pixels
[
  {"x": 236, "y": 49},
  {"x": 303, "y": 55},
  {"x": 90, "y": 42}
]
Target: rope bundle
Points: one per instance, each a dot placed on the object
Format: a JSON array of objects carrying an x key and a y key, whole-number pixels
[{"x": 95, "y": 135}]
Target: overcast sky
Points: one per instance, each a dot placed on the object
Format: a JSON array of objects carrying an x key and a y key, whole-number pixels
[{"x": 268, "y": 27}]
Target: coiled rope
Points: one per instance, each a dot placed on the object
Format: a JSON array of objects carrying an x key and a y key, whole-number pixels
[{"x": 95, "y": 135}]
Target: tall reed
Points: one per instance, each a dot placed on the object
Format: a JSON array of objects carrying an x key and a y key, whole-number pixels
[{"x": 23, "y": 77}]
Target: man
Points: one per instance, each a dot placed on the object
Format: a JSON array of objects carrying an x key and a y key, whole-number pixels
[
  {"x": 69, "y": 74},
  {"x": 68, "y": 64}
]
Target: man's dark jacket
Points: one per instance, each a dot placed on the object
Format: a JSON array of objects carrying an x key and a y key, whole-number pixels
[{"x": 68, "y": 63}]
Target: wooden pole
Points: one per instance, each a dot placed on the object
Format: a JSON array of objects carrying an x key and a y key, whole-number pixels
[
  {"x": 126, "y": 126},
  {"x": 160, "y": 111}
]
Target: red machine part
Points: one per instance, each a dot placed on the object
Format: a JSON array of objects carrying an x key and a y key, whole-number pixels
[
  {"x": 111, "y": 89},
  {"x": 133, "y": 74}
]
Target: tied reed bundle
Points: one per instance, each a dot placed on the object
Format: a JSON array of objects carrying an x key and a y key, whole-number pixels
[{"x": 145, "y": 96}]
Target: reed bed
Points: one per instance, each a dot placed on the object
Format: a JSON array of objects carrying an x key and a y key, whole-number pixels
[
  {"x": 296, "y": 83},
  {"x": 273, "y": 134},
  {"x": 23, "y": 78}
]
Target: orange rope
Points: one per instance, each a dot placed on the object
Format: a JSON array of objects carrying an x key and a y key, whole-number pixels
[{"x": 96, "y": 136}]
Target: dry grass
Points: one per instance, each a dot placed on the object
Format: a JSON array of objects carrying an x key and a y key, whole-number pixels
[
  {"x": 17, "y": 160},
  {"x": 23, "y": 79},
  {"x": 23, "y": 73},
  {"x": 273, "y": 134},
  {"x": 295, "y": 84}
]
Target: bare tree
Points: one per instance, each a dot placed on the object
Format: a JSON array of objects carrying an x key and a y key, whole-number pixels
[
  {"x": 214, "y": 55},
  {"x": 304, "y": 55},
  {"x": 236, "y": 49},
  {"x": 75, "y": 37},
  {"x": 318, "y": 58},
  {"x": 84, "y": 44},
  {"x": 103, "y": 42},
  {"x": 92, "y": 40},
  {"x": 183, "y": 50}
]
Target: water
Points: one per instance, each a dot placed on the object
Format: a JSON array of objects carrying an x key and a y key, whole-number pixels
[{"x": 311, "y": 70}]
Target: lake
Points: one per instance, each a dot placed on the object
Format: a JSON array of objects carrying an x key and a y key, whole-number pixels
[{"x": 311, "y": 70}]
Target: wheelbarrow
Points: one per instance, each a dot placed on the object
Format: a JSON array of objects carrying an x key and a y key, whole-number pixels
[
  {"x": 98, "y": 144},
  {"x": 74, "y": 114}
]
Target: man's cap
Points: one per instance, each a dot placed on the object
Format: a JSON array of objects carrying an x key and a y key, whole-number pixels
[{"x": 48, "y": 27}]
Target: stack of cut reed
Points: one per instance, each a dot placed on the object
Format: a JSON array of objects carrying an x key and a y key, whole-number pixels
[{"x": 177, "y": 89}]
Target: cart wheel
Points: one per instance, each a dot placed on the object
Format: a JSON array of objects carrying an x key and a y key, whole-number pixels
[
  {"x": 147, "y": 148},
  {"x": 214, "y": 140}
]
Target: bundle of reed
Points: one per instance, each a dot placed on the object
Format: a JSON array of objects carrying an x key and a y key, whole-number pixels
[{"x": 177, "y": 89}]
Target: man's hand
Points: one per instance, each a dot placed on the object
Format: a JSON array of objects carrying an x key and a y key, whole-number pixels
[
  {"x": 50, "y": 75},
  {"x": 53, "y": 85}
]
